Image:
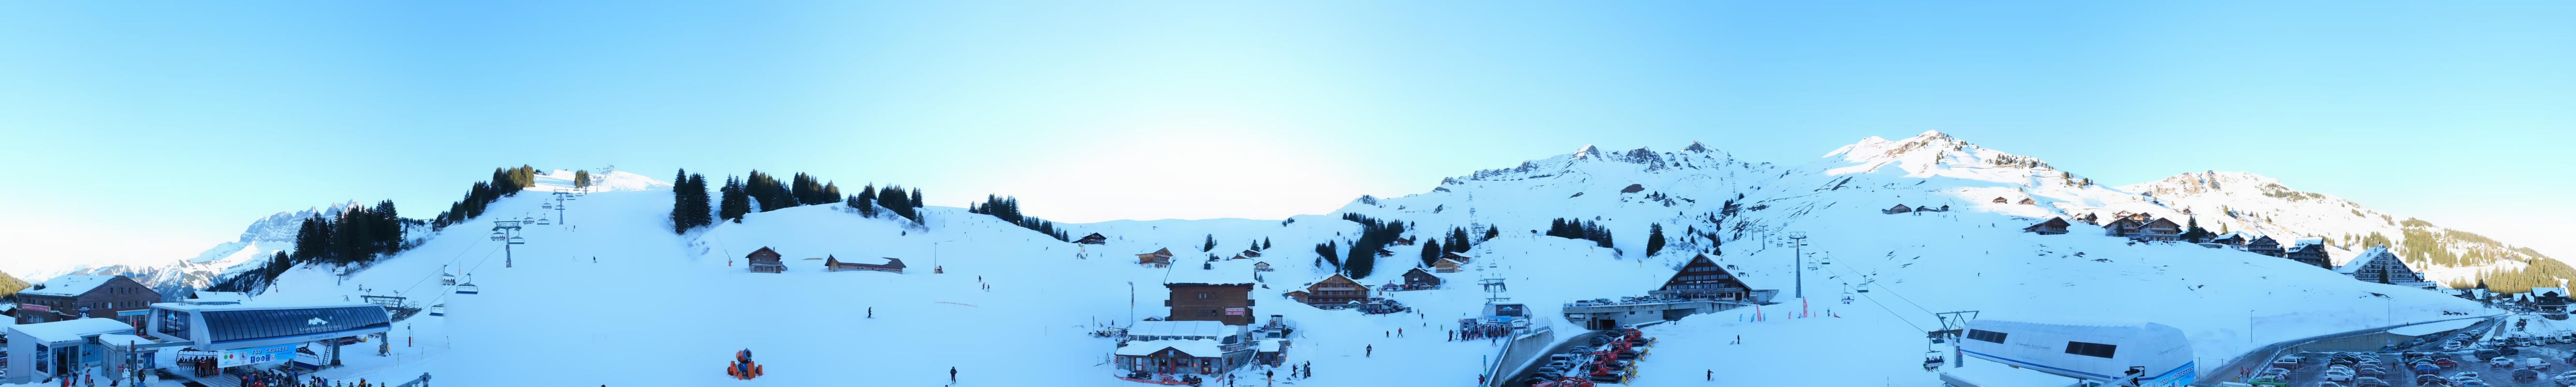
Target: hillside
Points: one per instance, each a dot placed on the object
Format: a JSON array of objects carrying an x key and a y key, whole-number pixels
[
  {"x": 2240, "y": 201},
  {"x": 10, "y": 285},
  {"x": 811, "y": 327}
]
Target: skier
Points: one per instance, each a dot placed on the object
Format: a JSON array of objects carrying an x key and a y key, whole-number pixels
[
  {"x": 1370, "y": 351},
  {"x": 952, "y": 374},
  {"x": 872, "y": 312},
  {"x": 1265, "y": 376},
  {"x": 1712, "y": 375},
  {"x": 1399, "y": 332},
  {"x": 594, "y": 259}
]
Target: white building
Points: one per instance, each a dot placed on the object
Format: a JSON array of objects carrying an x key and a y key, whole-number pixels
[{"x": 2156, "y": 354}]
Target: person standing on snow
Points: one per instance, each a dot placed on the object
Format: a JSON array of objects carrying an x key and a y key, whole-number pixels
[
  {"x": 1371, "y": 350},
  {"x": 952, "y": 374}
]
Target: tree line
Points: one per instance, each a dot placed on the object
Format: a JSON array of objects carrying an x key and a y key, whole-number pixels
[
  {"x": 1579, "y": 229},
  {"x": 1374, "y": 236},
  {"x": 1008, "y": 210},
  {"x": 358, "y": 235},
  {"x": 504, "y": 182},
  {"x": 872, "y": 200}
]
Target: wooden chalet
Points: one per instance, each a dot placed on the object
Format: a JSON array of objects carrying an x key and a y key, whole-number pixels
[
  {"x": 1445, "y": 265},
  {"x": 1923, "y": 209},
  {"x": 1420, "y": 279},
  {"x": 1169, "y": 357},
  {"x": 2161, "y": 229},
  {"x": 1237, "y": 257},
  {"x": 2550, "y": 302},
  {"x": 1260, "y": 266},
  {"x": 1461, "y": 258},
  {"x": 2123, "y": 227},
  {"x": 1093, "y": 239},
  {"x": 2027, "y": 201},
  {"x": 2140, "y": 217},
  {"x": 1299, "y": 296},
  {"x": 834, "y": 263},
  {"x": 1898, "y": 209},
  {"x": 1214, "y": 291},
  {"x": 2232, "y": 239},
  {"x": 2053, "y": 226},
  {"x": 1158, "y": 258},
  {"x": 765, "y": 260},
  {"x": 1999, "y": 200},
  {"x": 2310, "y": 251},
  {"x": 1703, "y": 279},
  {"x": 2264, "y": 245},
  {"x": 1252, "y": 253},
  {"x": 1335, "y": 291}
]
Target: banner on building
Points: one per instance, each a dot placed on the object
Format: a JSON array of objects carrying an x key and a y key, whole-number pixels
[
  {"x": 136, "y": 312},
  {"x": 1236, "y": 311},
  {"x": 35, "y": 308},
  {"x": 249, "y": 356}
]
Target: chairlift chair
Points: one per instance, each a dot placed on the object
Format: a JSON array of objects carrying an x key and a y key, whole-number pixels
[
  {"x": 497, "y": 235},
  {"x": 468, "y": 288},
  {"x": 524, "y": 240}
]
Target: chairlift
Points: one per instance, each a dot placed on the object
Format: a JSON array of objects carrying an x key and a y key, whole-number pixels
[
  {"x": 524, "y": 240},
  {"x": 468, "y": 288},
  {"x": 498, "y": 235},
  {"x": 543, "y": 221},
  {"x": 438, "y": 310},
  {"x": 445, "y": 279},
  {"x": 1864, "y": 288},
  {"x": 546, "y": 206}
]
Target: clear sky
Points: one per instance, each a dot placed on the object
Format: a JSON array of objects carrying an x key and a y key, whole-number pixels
[{"x": 154, "y": 129}]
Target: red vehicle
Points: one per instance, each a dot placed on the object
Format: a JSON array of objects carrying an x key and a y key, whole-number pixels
[{"x": 2445, "y": 363}]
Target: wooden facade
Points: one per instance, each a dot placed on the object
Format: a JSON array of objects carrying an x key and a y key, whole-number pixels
[
  {"x": 1230, "y": 304},
  {"x": 2123, "y": 227},
  {"x": 1252, "y": 253},
  {"x": 1093, "y": 239},
  {"x": 1898, "y": 209},
  {"x": 105, "y": 296},
  {"x": 1260, "y": 266},
  {"x": 891, "y": 265},
  {"x": 1336, "y": 291},
  {"x": 2053, "y": 226},
  {"x": 1704, "y": 279},
  {"x": 2264, "y": 245},
  {"x": 2308, "y": 253},
  {"x": 1420, "y": 279},
  {"x": 2160, "y": 229},
  {"x": 1461, "y": 258},
  {"x": 1158, "y": 258},
  {"x": 2231, "y": 240},
  {"x": 1445, "y": 265},
  {"x": 765, "y": 260},
  {"x": 2027, "y": 201},
  {"x": 1999, "y": 200}
]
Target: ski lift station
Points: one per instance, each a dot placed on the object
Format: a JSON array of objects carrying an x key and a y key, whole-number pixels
[
  {"x": 2154, "y": 354},
  {"x": 240, "y": 334}
]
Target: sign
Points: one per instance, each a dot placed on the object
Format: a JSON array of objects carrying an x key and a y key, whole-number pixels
[
  {"x": 249, "y": 356},
  {"x": 35, "y": 308},
  {"x": 136, "y": 312},
  {"x": 1236, "y": 311}
]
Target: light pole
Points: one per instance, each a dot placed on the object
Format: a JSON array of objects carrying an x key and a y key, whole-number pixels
[{"x": 1798, "y": 249}]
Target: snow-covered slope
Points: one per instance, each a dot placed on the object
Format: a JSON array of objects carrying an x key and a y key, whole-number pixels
[
  {"x": 2241, "y": 201},
  {"x": 660, "y": 309}
]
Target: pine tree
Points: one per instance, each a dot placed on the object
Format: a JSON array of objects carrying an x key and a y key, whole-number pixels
[
  {"x": 734, "y": 203},
  {"x": 1459, "y": 241},
  {"x": 1327, "y": 252},
  {"x": 1492, "y": 231},
  {"x": 1654, "y": 239},
  {"x": 1211, "y": 244},
  {"x": 1265, "y": 243},
  {"x": 581, "y": 179},
  {"x": 1431, "y": 252},
  {"x": 867, "y": 203}
]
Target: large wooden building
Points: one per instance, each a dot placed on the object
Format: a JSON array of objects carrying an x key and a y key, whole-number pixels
[
  {"x": 1219, "y": 291},
  {"x": 74, "y": 297},
  {"x": 891, "y": 265},
  {"x": 1093, "y": 239},
  {"x": 765, "y": 260},
  {"x": 1898, "y": 209},
  {"x": 2123, "y": 227},
  {"x": 2161, "y": 229},
  {"x": 1335, "y": 291},
  {"x": 1419, "y": 279},
  {"x": 1704, "y": 279},
  {"x": 2264, "y": 245},
  {"x": 2310, "y": 250}
]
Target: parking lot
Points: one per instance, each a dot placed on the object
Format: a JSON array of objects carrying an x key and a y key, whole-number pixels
[{"x": 2553, "y": 359}]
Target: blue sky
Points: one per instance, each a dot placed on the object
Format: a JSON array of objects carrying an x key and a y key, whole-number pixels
[{"x": 150, "y": 130}]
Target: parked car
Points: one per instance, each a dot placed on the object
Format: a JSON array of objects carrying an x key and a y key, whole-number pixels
[
  {"x": 2535, "y": 363},
  {"x": 2488, "y": 353},
  {"x": 2286, "y": 363},
  {"x": 2500, "y": 362},
  {"x": 2445, "y": 363},
  {"x": 2525, "y": 375},
  {"x": 2430, "y": 379}
]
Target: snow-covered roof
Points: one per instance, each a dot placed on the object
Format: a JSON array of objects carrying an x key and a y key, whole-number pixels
[
  {"x": 1199, "y": 348},
  {"x": 1271, "y": 345},
  {"x": 70, "y": 330},
  {"x": 2310, "y": 241},
  {"x": 2536, "y": 292},
  {"x": 119, "y": 340},
  {"x": 2358, "y": 262},
  {"x": 1178, "y": 328},
  {"x": 1223, "y": 272},
  {"x": 70, "y": 285},
  {"x": 206, "y": 297}
]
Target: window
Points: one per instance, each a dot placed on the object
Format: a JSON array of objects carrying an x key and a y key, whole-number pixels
[
  {"x": 1203, "y": 295},
  {"x": 1986, "y": 336},
  {"x": 2091, "y": 349}
]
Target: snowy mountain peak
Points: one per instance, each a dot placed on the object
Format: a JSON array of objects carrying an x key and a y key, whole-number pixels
[
  {"x": 1925, "y": 154},
  {"x": 1587, "y": 153},
  {"x": 1695, "y": 147}
]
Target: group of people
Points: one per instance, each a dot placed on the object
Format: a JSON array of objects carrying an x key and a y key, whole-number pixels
[{"x": 273, "y": 378}]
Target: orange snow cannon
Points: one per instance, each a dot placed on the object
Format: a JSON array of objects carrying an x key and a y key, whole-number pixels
[{"x": 742, "y": 367}]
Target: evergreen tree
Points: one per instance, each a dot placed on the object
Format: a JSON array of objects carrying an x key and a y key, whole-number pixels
[
  {"x": 1327, "y": 252},
  {"x": 1265, "y": 243},
  {"x": 1654, "y": 239},
  {"x": 867, "y": 203},
  {"x": 1431, "y": 252},
  {"x": 1211, "y": 244},
  {"x": 734, "y": 203},
  {"x": 1493, "y": 231},
  {"x": 1459, "y": 241},
  {"x": 916, "y": 198},
  {"x": 581, "y": 179}
]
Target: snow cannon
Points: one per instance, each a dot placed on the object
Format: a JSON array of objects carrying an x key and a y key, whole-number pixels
[{"x": 742, "y": 367}]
